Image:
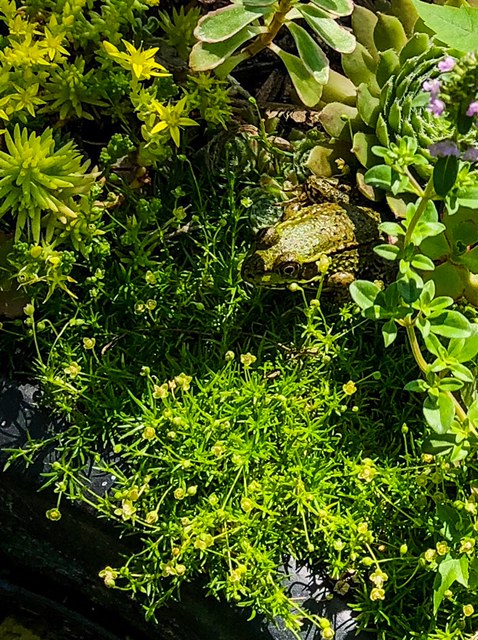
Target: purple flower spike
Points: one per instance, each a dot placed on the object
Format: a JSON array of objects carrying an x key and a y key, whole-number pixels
[
  {"x": 443, "y": 148},
  {"x": 446, "y": 64},
  {"x": 436, "y": 106},
  {"x": 472, "y": 109},
  {"x": 432, "y": 86},
  {"x": 471, "y": 154}
]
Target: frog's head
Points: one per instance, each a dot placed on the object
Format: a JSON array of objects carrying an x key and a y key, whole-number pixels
[{"x": 291, "y": 251}]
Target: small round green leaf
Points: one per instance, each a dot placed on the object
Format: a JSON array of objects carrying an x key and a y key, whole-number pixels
[{"x": 364, "y": 293}]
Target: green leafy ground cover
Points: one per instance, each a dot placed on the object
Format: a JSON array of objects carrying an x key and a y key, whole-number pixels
[
  {"x": 245, "y": 425},
  {"x": 240, "y": 425}
]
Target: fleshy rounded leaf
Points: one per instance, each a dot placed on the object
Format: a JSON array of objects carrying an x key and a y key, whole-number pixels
[
  {"x": 308, "y": 89},
  {"x": 310, "y": 53},
  {"x": 224, "y": 23},
  {"x": 333, "y": 34}
]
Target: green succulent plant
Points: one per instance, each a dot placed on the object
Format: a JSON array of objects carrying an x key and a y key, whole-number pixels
[
  {"x": 179, "y": 27},
  {"x": 381, "y": 100},
  {"x": 232, "y": 34},
  {"x": 383, "y": 118},
  {"x": 41, "y": 185}
]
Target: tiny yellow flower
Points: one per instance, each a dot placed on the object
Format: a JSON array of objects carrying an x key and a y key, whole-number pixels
[
  {"x": 377, "y": 593},
  {"x": 126, "y": 511},
  {"x": 109, "y": 576},
  {"x": 89, "y": 343},
  {"x": 151, "y": 304},
  {"x": 160, "y": 391},
  {"x": 236, "y": 574},
  {"x": 151, "y": 517},
  {"x": 203, "y": 541},
  {"x": 179, "y": 493},
  {"x": 467, "y": 545},
  {"x": 53, "y": 514},
  {"x": 430, "y": 555},
  {"x": 72, "y": 370},
  {"x": 149, "y": 433},
  {"x": 427, "y": 458},
  {"x": 247, "y": 359},
  {"x": 367, "y": 471},
  {"x": 36, "y": 251},
  {"x": 442, "y": 548},
  {"x": 362, "y": 528},
  {"x": 183, "y": 381},
  {"x": 171, "y": 119},
  {"x": 328, "y": 633},
  {"x": 218, "y": 449},
  {"x": 349, "y": 388},
  {"x": 246, "y": 504},
  {"x": 338, "y": 544},
  {"x": 378, "y": 577},
  {"x": 468, "y": 610},
  {"x": 141, "y": 63},
  {"x": 229, "y": 356},
  {"x": 52, "y": 44},
  {"x": 150, "y": 277}
]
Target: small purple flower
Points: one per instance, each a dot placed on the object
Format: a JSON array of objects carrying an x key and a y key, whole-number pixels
[
  {"x": 436, "y": 106},
  {"x": 432, "y": 86},
  {"x": 446, "y": 64},
  {"x": 443, "y": 148},
  {"x": 472, "y": 109},
  {"x": 471, "y": 154}
]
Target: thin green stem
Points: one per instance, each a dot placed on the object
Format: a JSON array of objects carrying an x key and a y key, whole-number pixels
[
  {"x": 426, "y": 197},
  {"x": 422, "y": 363},
  {"x": 415, "y": 347}
]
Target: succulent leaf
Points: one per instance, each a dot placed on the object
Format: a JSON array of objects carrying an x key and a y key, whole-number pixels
[
  {"x": 336, "y": 36},
  {"x": 387, "y": 66},
  {"x": 257, "y": 3},
  {"x": 310, "y": 53},
  {"x": 389, "y": 33},
  {"x": 337, "y": 120},
  {"x": 363, "y": 26},
  {"x": 224, "y": 23},
  {"x": 359, "y": 66},
  {"x": 209, "y": 55},
  {"x": 339, "y": 88},
  {"x": 406, "y": 12},
  {"x": 368, "y": 105},
  {"x": 335, "y": 7},
  {"x": 307, "y": 87},
  {"x": 418, "y": 43}
]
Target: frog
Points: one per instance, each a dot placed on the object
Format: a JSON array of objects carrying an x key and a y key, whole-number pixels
[{"x": 330, "y": 240}]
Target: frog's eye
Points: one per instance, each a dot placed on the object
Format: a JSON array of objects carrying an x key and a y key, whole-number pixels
[{"x": 290, "y": 269}]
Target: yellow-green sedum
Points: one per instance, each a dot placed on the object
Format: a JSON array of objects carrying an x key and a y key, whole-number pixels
[{"x": 41, "y": 186}]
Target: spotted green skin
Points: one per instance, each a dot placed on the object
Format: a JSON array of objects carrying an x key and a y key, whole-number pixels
[{"x": 294, "y": 249}]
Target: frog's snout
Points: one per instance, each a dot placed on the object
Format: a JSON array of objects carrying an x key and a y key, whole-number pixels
[{"x": 253, "y": 268}]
